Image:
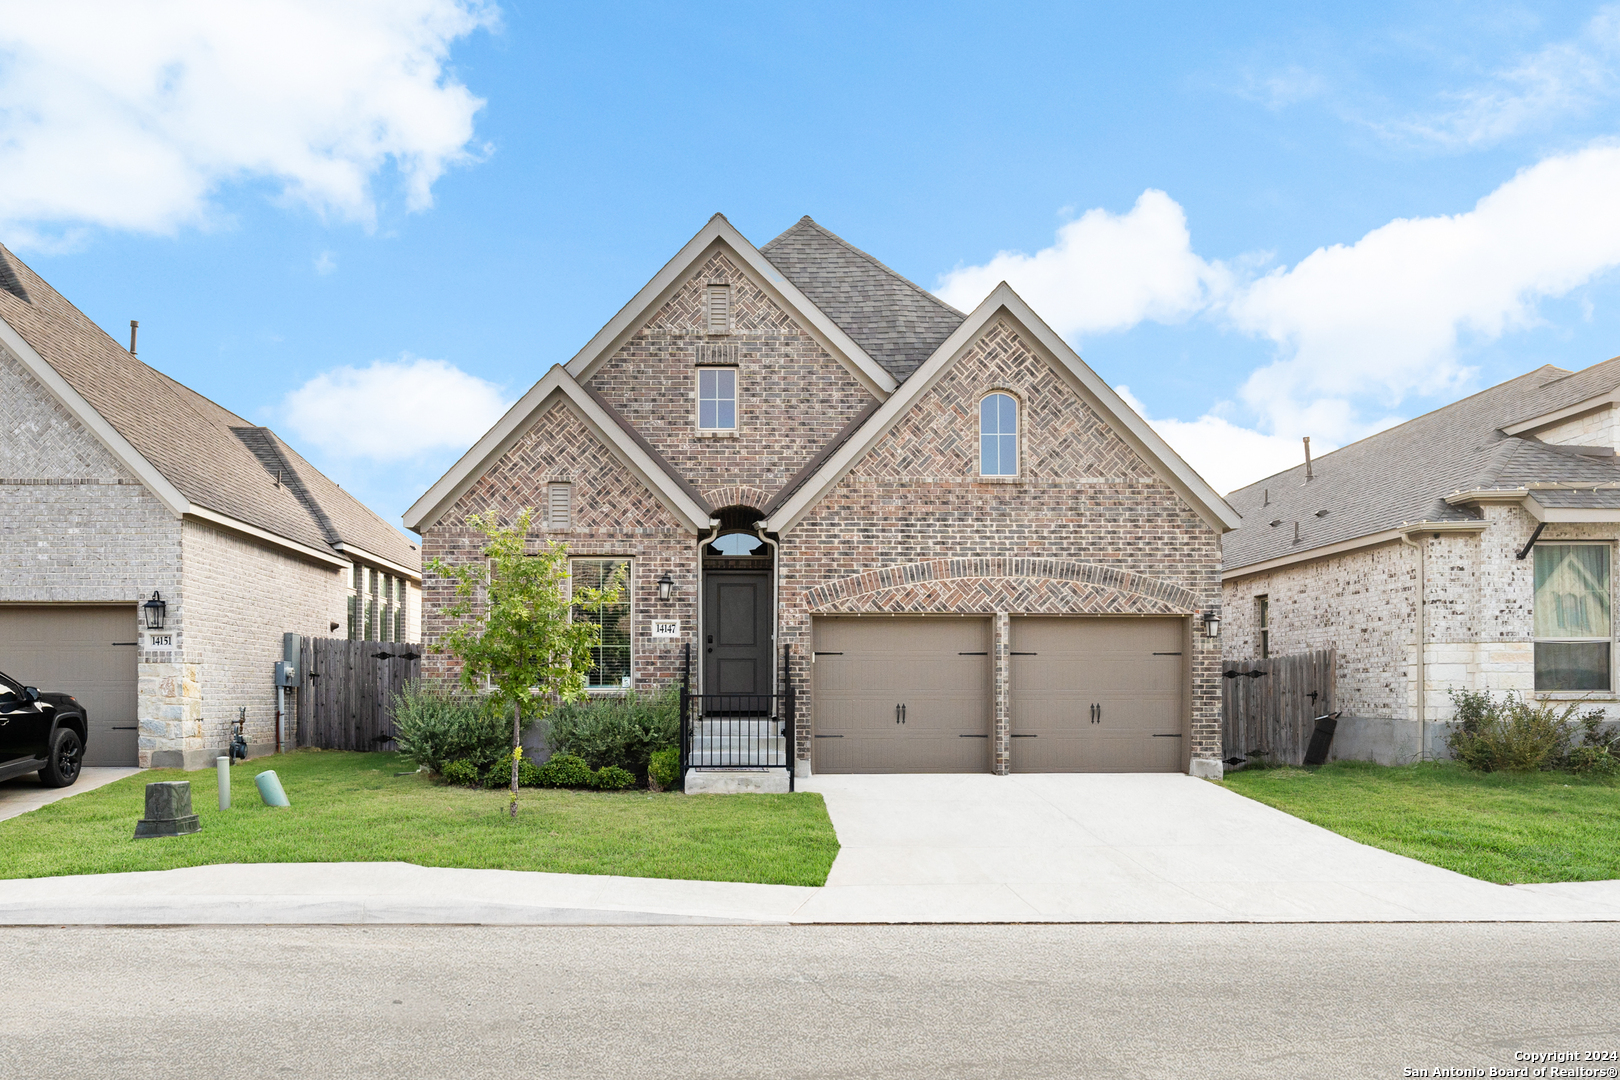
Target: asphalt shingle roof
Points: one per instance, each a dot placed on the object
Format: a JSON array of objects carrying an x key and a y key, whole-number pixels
[
  {"x": 186, "y": 437},
  {"x": 897, "y": 322},
  {"x": 1404, "y": 474}
]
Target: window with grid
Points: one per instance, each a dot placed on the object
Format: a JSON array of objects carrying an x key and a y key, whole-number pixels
[
  {"x": 717, "y": 399},
  {"x": 355, "y": 588},
  {"x": 1573, "y": 637},
  {"x": 610, "y": 660},
  {"x": 998, "y": 435},
  {"x": 1264, "y": 603}
]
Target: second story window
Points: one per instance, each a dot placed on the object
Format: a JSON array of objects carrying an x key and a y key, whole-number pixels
[
  {"x": 717, "y": 399},
  {"x": 998, "y": 435}
]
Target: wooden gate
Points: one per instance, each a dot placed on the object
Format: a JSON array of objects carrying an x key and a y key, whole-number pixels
[
  {"x": 346, "y": 691},
  {"x": 1270, "y": 706}
]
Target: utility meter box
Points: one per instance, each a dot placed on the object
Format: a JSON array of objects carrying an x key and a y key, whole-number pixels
[{"x": 286, "y": 674}]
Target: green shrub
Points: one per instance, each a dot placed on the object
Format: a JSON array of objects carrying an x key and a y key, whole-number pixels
[
  {"x": 613, "y": 778},
  {"x": 499, "y": 775},
  {"x": 464, "y": 773},
  {"x": 565, "y": 770},
  {"x": 1511, "y": 735},
  {"x": 433, "y": 727},
  {"x": 664, "y": 769},
  {"x": 622, "y": 730}
]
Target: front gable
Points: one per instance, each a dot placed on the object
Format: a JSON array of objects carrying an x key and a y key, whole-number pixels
[
  {"x": 793, "y": 394},
  {"x": 41, "y": 440}
]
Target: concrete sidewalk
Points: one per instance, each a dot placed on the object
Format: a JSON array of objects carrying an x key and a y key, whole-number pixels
[{"x": 926, "y": 849}]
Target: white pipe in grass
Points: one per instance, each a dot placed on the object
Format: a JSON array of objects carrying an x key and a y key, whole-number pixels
[{"x": 223, "y": 765}]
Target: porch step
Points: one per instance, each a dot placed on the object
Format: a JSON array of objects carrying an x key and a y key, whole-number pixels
[
  {"x": 744, "y": 741},
  {"x": 700, "y": 781}
]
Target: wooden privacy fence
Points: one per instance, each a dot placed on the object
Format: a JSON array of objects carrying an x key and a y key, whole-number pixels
[
  {"x": 346, "y": 691},
  {"x": 1270, "y": 706}
]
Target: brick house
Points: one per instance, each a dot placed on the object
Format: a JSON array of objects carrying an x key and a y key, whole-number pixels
[
  {"x": 1499, "y": 511},
  {"x": 118, "y": 485},
  {"x": 957, "y": 544}
]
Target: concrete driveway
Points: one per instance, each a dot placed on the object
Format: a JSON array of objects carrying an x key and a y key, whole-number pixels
[
  {"x": 25, "y": 793},
  {"x": 1130, "y": 848}
]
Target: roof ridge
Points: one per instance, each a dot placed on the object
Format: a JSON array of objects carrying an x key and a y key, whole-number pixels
[
  {"x": 807, "y": 222},
  {"x": 285, "y": 448},
  {"x": 9, "y": 281},
  {"x": 1395, "y": 427}
]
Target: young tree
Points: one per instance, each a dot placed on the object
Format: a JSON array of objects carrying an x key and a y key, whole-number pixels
[{"x": 513, "y": 624}]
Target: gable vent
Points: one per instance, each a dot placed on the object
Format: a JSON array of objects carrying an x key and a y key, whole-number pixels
[
  {"x": 10, "y": 282},
  {"x": 559, "y": 506},
  {"x": 717, "y": 309}
]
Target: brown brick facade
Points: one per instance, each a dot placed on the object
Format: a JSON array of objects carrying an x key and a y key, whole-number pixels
[{"x": 792, "y": 395}]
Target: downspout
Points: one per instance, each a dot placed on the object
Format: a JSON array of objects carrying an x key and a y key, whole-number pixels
[
  {"x": 1423, "y": 732},
  {"x": 776, "y": 608},
  {"x": 697, "y": 602}
]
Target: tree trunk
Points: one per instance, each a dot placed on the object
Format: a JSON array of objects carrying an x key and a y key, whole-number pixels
[{"x": 517, "y": 749}]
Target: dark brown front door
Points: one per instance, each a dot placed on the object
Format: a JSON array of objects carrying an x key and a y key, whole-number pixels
[{"x": 737, "y": 632}]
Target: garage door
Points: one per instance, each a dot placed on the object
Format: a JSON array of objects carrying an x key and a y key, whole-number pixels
[
  {"x": 898, "y": 695},
  {"x": 88, "y": 652},
  {"x": 1097, "y": 695}
]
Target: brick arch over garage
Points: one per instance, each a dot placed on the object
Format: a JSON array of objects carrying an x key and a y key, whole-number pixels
[{"x": 1045, "y": 586}]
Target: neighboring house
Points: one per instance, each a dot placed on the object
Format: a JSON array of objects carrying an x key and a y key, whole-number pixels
[
  {"x": 1500, "y": 511},
  {"x": 964, "y": 549},
  {"x": 118, "y": 485}
]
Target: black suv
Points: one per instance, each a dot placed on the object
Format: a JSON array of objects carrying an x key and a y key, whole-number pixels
[{"x": 41, "y": 733}]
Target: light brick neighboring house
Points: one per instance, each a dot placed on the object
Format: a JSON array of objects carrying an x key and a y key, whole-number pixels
[
  {"x": 959, "y": 547},
  {"x": 1500, "y": 511},
  {"x": 117, "y": 483}
]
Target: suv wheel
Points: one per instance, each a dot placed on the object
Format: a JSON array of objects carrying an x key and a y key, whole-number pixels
[{"x": 66, "y": 758}]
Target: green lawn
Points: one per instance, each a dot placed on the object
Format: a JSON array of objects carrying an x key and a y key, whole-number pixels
[
  {"x": 356, "y": 808},
  {"x": 1501, "y": 827}
]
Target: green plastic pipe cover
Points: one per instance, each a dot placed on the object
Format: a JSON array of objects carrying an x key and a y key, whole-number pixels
[{"x": 270, "y": 789}]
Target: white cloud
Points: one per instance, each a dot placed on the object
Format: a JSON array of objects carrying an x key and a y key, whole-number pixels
[
  {"x": 130, "y": 115},
  {"x": 1225, "y": 454},
  {"x": 393, "y": 410},
  {"x": 1105, "y": 272},
  {"x": 1385, "y": 317},
  {"x": 1562, "y": 78},
  {"x": 325, "y": 263}
]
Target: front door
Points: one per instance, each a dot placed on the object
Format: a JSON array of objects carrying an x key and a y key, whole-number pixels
[{"x": 737, "y": 632}]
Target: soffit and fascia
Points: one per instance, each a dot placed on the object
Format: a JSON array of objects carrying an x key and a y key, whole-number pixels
[
  {"x": 1003, "y": 301},
  {"x": 719, "y": 234},
  {"x": 557, "y": 387}
]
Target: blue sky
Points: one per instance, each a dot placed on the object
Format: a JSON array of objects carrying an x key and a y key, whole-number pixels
[{"x": 369, "y": 225}]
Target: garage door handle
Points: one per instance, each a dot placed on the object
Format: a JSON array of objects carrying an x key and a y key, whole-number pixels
[
  {"x": 1026, "y": 736},
  {"x": 131, "y": 727},
  {"x": 1177, "y": 735}
]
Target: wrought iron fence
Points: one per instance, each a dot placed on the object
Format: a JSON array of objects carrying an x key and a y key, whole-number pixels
[{"x": 738, "y": 731}]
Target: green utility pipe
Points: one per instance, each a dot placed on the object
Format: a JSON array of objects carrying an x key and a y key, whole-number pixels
[
  {"x": 223, "y": 765},
  {"x": 270, "y": 789}
]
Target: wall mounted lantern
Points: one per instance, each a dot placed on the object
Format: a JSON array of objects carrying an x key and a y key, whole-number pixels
[
  {"x": 1212, "y": 624},
  {"x": 155, "y": 609},
  {"x": 665, "y": 587}
]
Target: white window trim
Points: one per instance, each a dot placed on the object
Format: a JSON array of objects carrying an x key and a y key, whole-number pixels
[
  {"x": 1606, "y": 692},
  {"x": 1018, "y": 435},
  {"x": 630, "y": 601},
  {"x": 736, "y": 400}
]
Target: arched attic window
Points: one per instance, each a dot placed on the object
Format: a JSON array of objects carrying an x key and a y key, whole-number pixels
[{"x": 998, "y": 435}]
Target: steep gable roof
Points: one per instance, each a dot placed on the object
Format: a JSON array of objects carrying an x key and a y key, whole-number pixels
[
  {"x": 1109, "y": 405},
  {"x": 178, "y": 442},
  {"x": 899, "y": 323},
  {"x": 719, "y": 233},
  {"x": 1403, "y": 475}
]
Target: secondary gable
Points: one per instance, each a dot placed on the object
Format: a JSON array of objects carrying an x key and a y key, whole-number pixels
[
  {"x": 793, "y": 395},
  {"x": 40, "y": 440}
]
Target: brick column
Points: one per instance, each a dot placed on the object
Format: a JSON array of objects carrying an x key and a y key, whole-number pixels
[{"x": 1000, "y": 738}]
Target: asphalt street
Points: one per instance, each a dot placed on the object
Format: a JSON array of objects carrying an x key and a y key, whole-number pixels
[{"x": 824, "y": 1001}]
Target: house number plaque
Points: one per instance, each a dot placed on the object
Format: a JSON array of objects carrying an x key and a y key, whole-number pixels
[{"x": 666, "y": 628}]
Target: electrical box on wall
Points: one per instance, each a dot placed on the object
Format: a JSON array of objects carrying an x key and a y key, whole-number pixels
[{"x": 286, "y": 674}]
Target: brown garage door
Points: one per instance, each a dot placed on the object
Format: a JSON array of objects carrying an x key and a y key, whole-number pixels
[
  {"x": 1097, "y": 695},
  {"x": 894, "y": 695},
  {"x": 85, "y": 651}
]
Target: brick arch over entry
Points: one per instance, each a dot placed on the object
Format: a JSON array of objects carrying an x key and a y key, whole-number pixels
[
  {"x": 982, "y": 585},
  {"x": 737, "y": 495}
]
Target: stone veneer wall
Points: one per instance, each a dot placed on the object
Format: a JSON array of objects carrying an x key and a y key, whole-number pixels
[
  {"x": 1087, "y": 527},
  {"x": 792, "y": 395},
  {"x": 1596, "y": 428},
  {"x": 241, "y": 596},
  {"x": 1478, "y": 616},
  {"x": 613, "y": 515}
]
